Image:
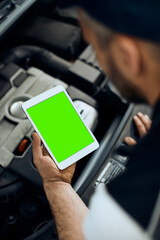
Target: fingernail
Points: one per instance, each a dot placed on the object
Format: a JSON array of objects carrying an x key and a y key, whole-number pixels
[
  {"x": 140, "y": 114},
  {"x": 33, "y": 134},
  {"x": 135, "y": 117},
  {"x": 146, "y": 116},
  {"x": 127, "y": 139}
]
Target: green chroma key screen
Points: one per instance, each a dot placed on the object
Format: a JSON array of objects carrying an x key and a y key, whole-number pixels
[{"x": 60, "y": 126}]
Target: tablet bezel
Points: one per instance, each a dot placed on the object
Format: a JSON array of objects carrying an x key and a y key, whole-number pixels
[{"x": 76, "y": 156}]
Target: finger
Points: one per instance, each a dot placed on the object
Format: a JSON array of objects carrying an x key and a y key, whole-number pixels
[
  {"x": 145, "y": 120},
  {"x": 45, "y": 151},
  {"x": 140, "y": 126},
  {"x": 36, "y": 147},
  {"x": 130, "y": 141},
  {"x": 148, "y": 118}
]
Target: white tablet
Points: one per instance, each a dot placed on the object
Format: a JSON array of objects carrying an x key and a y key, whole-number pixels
[{"x": 60, "y": 126}]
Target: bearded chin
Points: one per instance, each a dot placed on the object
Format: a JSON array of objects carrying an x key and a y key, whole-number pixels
[
  {"x": 127, "y": 90},
  {"x": 135, "y": 98}
]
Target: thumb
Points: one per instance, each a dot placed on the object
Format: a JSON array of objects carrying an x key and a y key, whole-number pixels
[
  {"x": 130, "y": 141},
  {"x": 36, "y": 147}
]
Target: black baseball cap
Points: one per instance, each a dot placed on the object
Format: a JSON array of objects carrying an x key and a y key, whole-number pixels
[{"x": 140, "y": 18}]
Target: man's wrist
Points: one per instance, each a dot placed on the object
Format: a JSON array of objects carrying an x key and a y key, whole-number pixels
[{"x": 51, "y": 186}]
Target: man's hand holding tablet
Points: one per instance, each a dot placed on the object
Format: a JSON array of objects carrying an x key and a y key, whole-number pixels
[{"x": 50, "y": 173}]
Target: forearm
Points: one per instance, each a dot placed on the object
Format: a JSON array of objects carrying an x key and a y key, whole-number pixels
[{"x": 68, "y": 210}]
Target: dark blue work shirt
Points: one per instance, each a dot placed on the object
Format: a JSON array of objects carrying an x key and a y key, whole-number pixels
[{"x": 137, "y": 189}]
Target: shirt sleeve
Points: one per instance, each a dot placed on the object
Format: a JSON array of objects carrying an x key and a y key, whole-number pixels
[{"x": 107, "y": 220}]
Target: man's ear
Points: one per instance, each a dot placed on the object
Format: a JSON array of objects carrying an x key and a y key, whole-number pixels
[{"x": 127, "y": 55}]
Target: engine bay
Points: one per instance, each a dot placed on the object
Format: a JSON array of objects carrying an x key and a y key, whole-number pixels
[{"x": 42, "y": 47}]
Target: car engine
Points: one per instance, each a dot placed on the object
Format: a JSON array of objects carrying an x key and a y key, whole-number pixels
[{"x": 41, "y": 46}]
